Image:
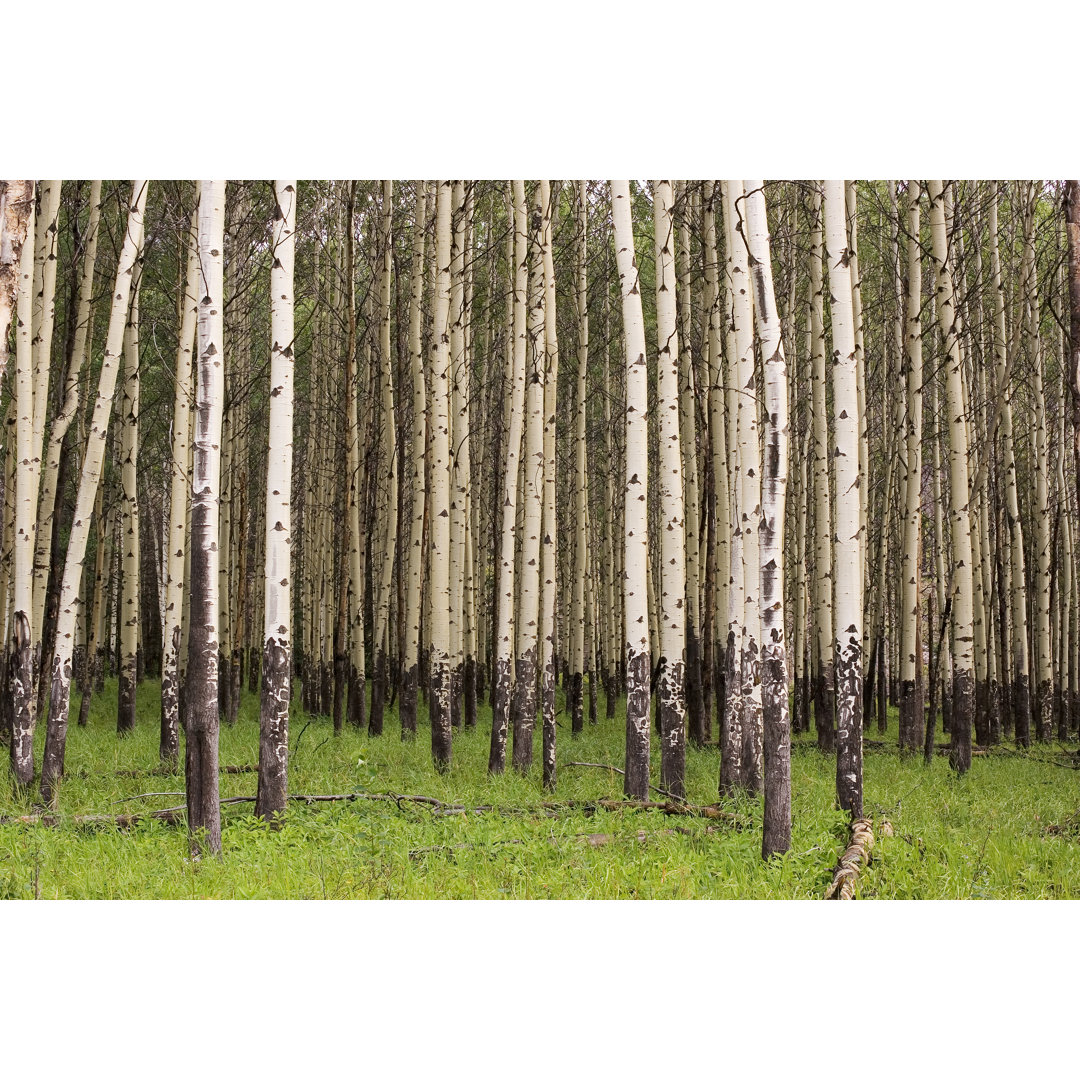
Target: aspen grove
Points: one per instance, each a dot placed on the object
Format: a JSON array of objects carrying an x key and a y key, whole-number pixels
[{"x": 715, "y": 468}]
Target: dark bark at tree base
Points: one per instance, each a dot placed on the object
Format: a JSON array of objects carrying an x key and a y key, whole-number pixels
[
  {"x": 911, "y": 716},
  {"x": 575, "y": 703},
  {"x": 524, "y": 710},
  {"x": 695, "y": 704},
  {"x": 776, "y": 832},
  {"x": 407, "y": 709},
  {"x": 547, "y": 711},
  {"x": 997, "y": 708},
  {"x": 272, "y": 791},
  {"x": 825, "y": 709},
  {"x": 1044, "y": 712},
  {"x": 1021, "y": 711},
  {"x": 455, "y": 697},
  {"x": 52, "y": 765},
  {"x": 253, "y": 670},
  {"x": 500, "y": 715},
  {"x": 849, "y": 701},
  {"x": 731, "y": 737},
  {"x": 439, "y": 711},
  {"x": 636, "y": 781},
  {"x": 125, "y": 713},
  {"x": 326, "y": 688},
  {"x": 469, "y": 677},
  {"x": 672, "y": 728},
  {"x": 962, "y": 719},
  {"x": 982, "y": 713},
  {"x": 224, "y": 687},
  {"x": 378, "y": 694},
  {"x": 592, "y": 697},
  {"x": 340, "y": 676}
]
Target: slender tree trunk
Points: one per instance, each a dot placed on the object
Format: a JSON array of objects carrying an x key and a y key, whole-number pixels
[
  {"x": 169, "y": 745},
  {"x": 277, "y": 572},
  {"x": 774, "y": 683},
  {"x": 959, "y": 517},
  {"x": 846, "y": 542},
  {"x": 515, "y": 391},
  {"x": 439, "y": 506},
  {"x": 911, "y": 705},
  {"x": 201, "y": 697},
  {"x": 635, "y": 534},
  {"x": 414, "y": 612},
  {"x": 672, "y": 662},
  {"x": 60, "y": 697}
]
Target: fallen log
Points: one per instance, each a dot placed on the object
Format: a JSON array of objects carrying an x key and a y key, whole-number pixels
[{"x": 856, "y": 856}]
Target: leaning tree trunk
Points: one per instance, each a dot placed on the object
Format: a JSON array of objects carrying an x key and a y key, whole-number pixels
[
  {"x": 169, "y": 744},
  {"x": 963, "y": 613},
  {"x": 201, "y": 693},
  {"x": 276, "y": 692},
  {"x": 635, "y": 533},
  {"x": 848, "y": 585},
  {"x": 60, "y": 695},
  {"x": 774, "y": 683}
]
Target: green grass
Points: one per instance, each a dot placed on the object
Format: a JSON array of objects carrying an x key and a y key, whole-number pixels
[{"x": 1010, "y": 828}]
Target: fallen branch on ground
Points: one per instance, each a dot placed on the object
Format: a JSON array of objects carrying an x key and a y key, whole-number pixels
[
  {"x": 601, "y": 765},
  {"x": 856, "y": 855}
]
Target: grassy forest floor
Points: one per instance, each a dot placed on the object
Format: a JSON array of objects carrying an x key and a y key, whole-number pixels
[{"x": 1010, "y": 828}]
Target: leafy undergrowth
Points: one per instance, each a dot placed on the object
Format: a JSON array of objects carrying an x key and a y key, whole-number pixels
[{"x": 1010, "y": 828}]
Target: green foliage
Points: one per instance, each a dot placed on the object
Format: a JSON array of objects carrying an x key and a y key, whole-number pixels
[{"x": 1009, "y": 828}]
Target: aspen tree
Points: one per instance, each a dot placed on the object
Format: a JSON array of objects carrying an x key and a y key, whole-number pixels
[
  {"x": 695, "y": 707},
  {"x": 549, "y": 526},
  {"x": 16, "y": 282},
  {"x": 201, "y": 695},
  {"x": 846, "y": 538},
  {"x": 911, "y": 706},
  {"x": 459, "y": 451},
  {"x": 824, "y": 676},
  {"x": 774, "y": 684},
  {"x": 169, "y": 746},
  {"x": 439, "y": 680},
  {"x": 673, "y": 585},
  {"x": 413, "y": 612},
  {"x": 635, "y": 533},
  {"x": 528, "y": 617},
  {"x": 581, "y": 570},
  {"x": 959, "y": 516},
  {"x": 1072, "y": 237},
  {"x": 749, "y": 478},
  {"x": 129, "y": 508},
  {"x": 93, "y": 458},
  {"x": 46, "y": 239},
  {"x": 515, "y": 395},
  {"x": 388, "y": 485},
  {"x": 1044, "y": 695},
  {"x": 718, "y": 442},
  {"x": 276, "y": 690},
  {"x": 732, "y": 738},
  {"x": 69, "y": 406}
]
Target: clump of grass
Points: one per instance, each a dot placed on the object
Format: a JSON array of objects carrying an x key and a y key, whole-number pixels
[{"x": 1007, "y": 829}]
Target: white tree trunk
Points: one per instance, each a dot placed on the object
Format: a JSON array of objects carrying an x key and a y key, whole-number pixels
[
  {"x": 635, "y": 533},
  {"x": 93, "y": 459}
]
